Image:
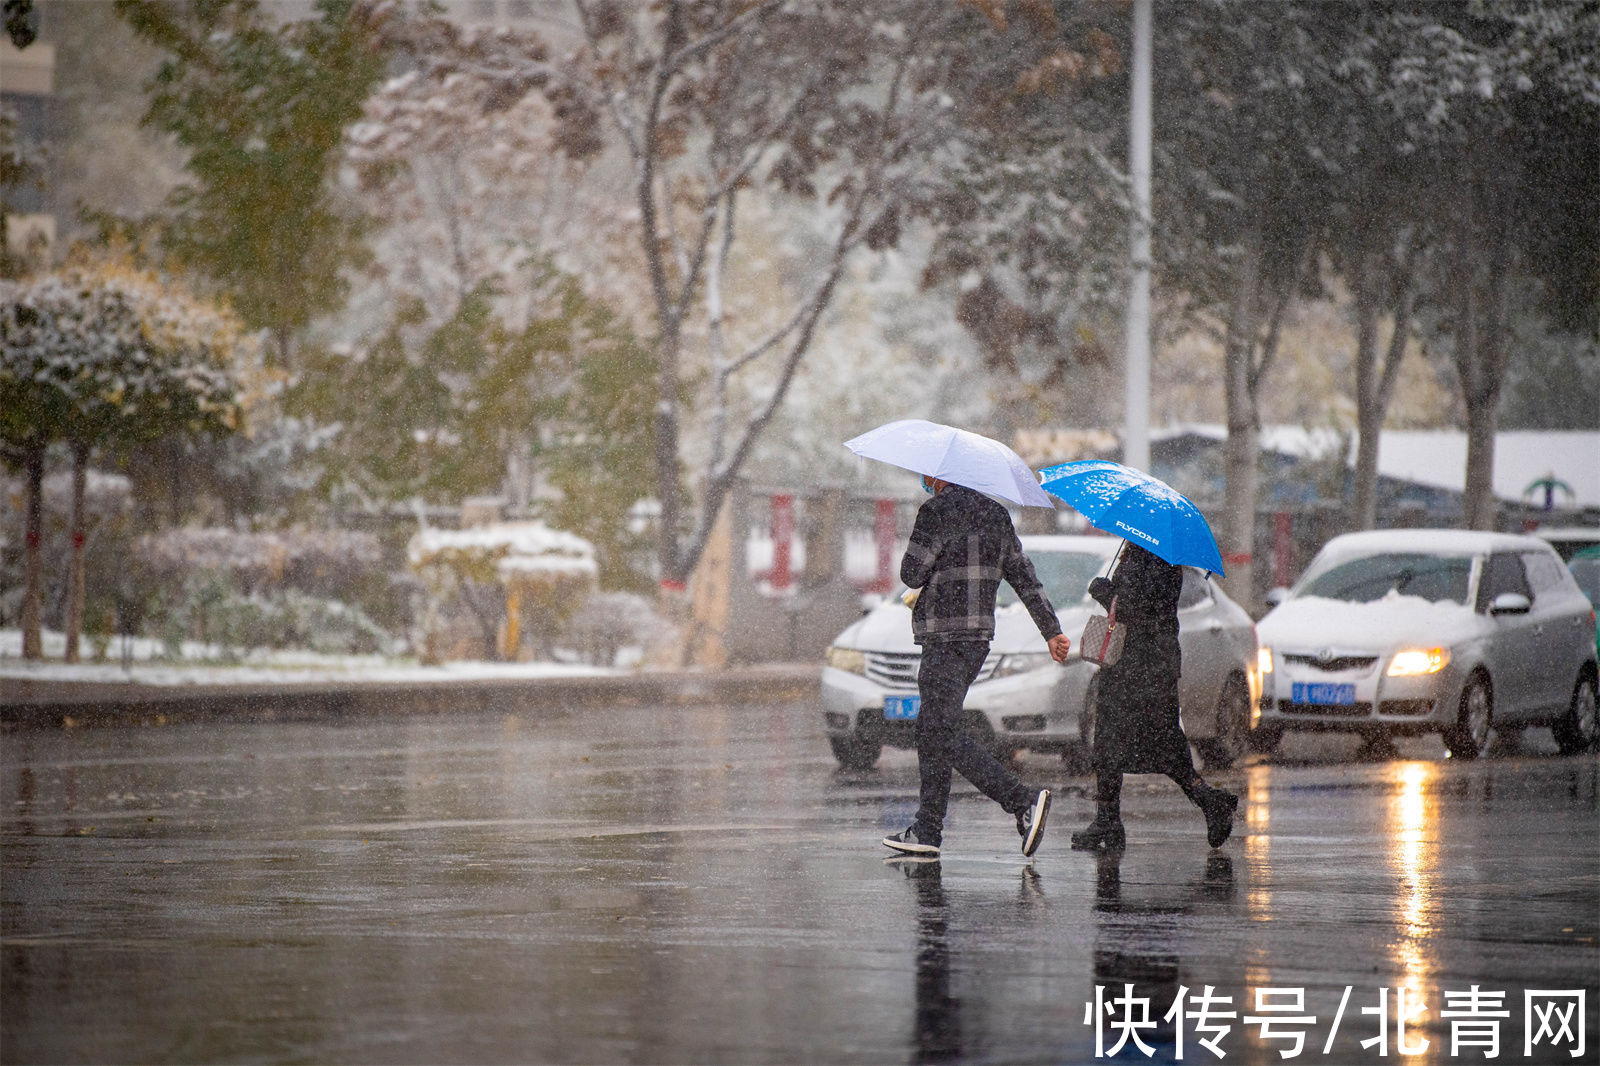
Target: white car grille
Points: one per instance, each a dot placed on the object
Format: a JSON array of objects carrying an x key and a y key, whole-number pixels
[
  {"x": 897, "y": 670},
  {"x": 1332, "y": 663}
]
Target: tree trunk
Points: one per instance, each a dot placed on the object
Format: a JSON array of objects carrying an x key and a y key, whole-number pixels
[
  {"x": 1240, "y": 451},
  {"x": 668, "y": 307},
  {"x": 1483, "y": 404},
  {"x": 1479, "y": 505},
  {"x": 1382, "y": 285},
  {"x": 485, "y": 602},
  {"x": 283, "y": 340},
  {"x": 673, "y": 575},
  {"x": 1482, "y": 342},
  {"x": 33, "y": 553},
  {"x": 174, "y": 460},
  {"x": 75, "y": 591},
  {"x": 1369, "y": 405}
]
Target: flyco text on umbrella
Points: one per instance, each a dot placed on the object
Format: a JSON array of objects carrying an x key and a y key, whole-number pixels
[{"x": 1141, "y": 534}]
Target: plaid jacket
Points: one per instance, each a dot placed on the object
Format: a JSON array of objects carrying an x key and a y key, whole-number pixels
[{"x": 962, "y": 545}]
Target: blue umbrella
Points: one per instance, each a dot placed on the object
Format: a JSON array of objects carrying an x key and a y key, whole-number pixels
[
  {"x": 958, "y": 456},
  {"x": 1137, "y": 507}
]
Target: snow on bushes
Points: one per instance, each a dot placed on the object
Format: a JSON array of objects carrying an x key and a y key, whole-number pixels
[
  {"x": 519, "y": 580},
  {"x": 610, "y": 622},
  {"x": 238, "y": 591},
  {"x": 325, "y": 562}
]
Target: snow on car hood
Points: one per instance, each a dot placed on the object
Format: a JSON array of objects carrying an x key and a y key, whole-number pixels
[
  {"x": 887, "y": 627},
  {"x": 1381, "y": 624}
]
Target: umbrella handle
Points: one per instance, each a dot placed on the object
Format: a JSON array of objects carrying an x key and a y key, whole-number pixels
[{"x": 1116, "y": 561}]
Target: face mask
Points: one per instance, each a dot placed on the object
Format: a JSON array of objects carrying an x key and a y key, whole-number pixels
[{"x": 927, "y": 486}]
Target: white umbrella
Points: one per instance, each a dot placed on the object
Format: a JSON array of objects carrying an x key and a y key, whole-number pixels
[{"x": 954, "y": 455}]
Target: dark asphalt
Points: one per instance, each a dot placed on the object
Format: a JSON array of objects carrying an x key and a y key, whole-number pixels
[{"x": 698, "y": 884}]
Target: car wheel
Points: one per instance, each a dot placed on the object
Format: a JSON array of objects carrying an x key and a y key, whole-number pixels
[
  {"x": 1233, "y": 727},
  {"x": 1469, "y": 737},
  {"x": 854, "y": 753},
  {"x": 1579, "y": 730}
]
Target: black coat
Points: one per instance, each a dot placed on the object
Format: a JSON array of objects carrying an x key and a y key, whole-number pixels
[{"x": 1137, "y": 729}]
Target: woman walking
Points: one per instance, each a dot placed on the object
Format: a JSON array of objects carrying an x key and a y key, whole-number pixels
[{"x": 1137, "y": 728}]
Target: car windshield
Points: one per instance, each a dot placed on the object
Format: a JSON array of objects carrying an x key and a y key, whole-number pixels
[
  {"x": 1437, "y": 578},
  {"x": 1587, "y": 572},
  {"x": 1064, "y": 575}
]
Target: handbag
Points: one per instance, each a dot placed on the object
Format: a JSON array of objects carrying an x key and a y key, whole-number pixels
[{"x": 1102, "y": 638}]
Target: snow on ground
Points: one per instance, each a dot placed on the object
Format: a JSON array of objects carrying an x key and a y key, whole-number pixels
[{"x": 145, "y": 665}]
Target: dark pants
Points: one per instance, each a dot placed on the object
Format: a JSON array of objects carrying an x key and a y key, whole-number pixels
[
  {"x": 947, "y": 670},
  {"x": 1108, "y": 788}
]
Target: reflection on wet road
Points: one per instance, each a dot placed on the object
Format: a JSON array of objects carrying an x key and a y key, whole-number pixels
[{"x": 702, "y": 885}]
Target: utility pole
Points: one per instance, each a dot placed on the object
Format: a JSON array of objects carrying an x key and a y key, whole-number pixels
[{"x": 1136, "y": 438}]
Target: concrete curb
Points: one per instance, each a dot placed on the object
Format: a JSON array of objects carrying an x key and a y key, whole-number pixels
[{"x": 28, "y": 704}]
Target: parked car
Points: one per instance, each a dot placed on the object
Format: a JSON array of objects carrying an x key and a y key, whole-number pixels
[
  {"x": 1569, "y": 540},
  {"x": 1585, "y": 568},
  {"x": 1024, "y": 700},
  {"x": 1403, "y": 632}
]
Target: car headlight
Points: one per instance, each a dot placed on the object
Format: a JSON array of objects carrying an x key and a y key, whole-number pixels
[
  {"x": 1264, "y": 660},
  {"x": 1021, "y": 664},
  {"x": 1415, "y": 661},
  {"x": 849, "y": 660}
]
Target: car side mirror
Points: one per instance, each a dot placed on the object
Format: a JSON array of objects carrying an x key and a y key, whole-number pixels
[
  {"x": 1276, "y": 596},
  {"x": 1510, "y": 603}
]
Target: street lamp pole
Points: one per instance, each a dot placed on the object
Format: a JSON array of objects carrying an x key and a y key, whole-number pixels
[{"x": 1136, "y": 443}]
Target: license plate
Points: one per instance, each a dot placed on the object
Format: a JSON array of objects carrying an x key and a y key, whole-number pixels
[
  {"x": 901, "y": 708},
  {"x": 1323, "y": 692}
]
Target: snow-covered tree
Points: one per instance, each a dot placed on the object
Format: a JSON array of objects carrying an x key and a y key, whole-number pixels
[
  {"x": 1498, "y": 107},
  {"x": 1029, "y": 207},
  {"x": 836, "y": 105},
  {"x": 466, "y": 189},
  {"x": 103, "y": 355}
]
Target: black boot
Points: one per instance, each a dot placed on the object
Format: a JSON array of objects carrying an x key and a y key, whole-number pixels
[
  {"x": 1105, "y": 832},
  {"x": 1218, "y": 806}
]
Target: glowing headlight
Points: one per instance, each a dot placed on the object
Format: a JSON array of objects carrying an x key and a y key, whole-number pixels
[
  {"x": 1264, "y": 660},
  {"x": 847, "y": 659},
  {"x": 1414, "y": 661},
  {"x": 1021, "y": 664}
]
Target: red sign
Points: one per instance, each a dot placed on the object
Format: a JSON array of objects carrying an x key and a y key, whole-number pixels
[
  {"x": 1282, "y": 548},
  {"x": 782, "y": 540},
  {"x": 883, "y": 534}
]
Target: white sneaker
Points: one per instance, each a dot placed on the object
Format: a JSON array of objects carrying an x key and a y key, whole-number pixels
[
  {"x": 1030, "y": 823},
  {"x": 910, "y": 844}
]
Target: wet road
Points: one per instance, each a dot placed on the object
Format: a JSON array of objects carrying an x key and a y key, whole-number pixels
[{"x": 700, "y": 885}]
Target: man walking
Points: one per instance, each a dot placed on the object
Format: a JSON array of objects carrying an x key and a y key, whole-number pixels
[{"x": 961, "y": 546}]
